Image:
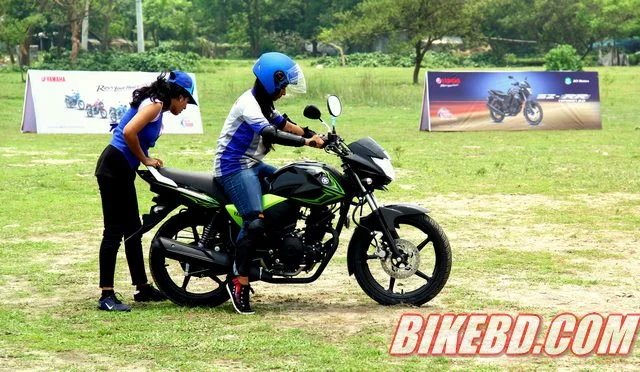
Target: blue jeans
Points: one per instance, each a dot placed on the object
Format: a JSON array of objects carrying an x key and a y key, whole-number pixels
[{"x": 245, "y": 188}]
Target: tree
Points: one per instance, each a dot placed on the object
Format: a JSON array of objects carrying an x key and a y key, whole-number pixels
[
  {"x": 168, "y": 19},
  {"x": 306, "y": 18},
  {"x": 18, "y": 20},
  {"x": 421, "y": 22},
  {"x": 74, "y": 11}
]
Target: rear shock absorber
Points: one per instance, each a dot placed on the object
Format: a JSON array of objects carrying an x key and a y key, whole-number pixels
[{"x": 207, "y": 233}]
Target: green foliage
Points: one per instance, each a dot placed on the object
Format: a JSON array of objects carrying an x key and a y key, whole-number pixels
[
  {"x": 287, "y": 42},
  {"x": 431, "y": 59},
  {"x": 154, "y": 60},
  {"x": 563, "y": 58},
  {"x": 510, "y": 59}
]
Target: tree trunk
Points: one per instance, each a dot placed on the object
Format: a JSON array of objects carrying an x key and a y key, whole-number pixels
[
  {"x": 343, "y": 60},
  {"x": 421, "y": 50},
  {"x": 75, "y": 40},
  {"x": 25, "y": 57},
  {"x": 84, "y": 42},
  {"x": 12, "y": 57},
  {"x": 254, "y": 24},
  {"x": 419, "y": 56}
]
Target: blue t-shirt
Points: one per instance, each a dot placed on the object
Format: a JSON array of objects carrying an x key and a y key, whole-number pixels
[{"x": 147, "y": 136}]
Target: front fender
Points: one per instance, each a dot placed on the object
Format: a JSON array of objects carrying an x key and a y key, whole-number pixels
[{"x": 390, "y": 214}]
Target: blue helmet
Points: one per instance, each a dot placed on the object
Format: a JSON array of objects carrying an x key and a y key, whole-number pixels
[{"x": 277, "y": 71}]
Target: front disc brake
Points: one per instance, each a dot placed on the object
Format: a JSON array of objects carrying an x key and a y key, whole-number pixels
[{"x": 395, "y": 267}]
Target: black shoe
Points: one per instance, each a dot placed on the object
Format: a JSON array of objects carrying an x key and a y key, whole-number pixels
[
  {"x": 240, "y": 296},
  {"x": 148, "y": 293},
  {"x": 111, "y": 303}
]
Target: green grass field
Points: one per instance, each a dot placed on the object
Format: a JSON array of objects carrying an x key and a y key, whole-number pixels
[{"x": 539, "y": 222}]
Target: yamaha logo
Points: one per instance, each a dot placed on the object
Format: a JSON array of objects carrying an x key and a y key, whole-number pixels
[{"x": 325, "y": 180}]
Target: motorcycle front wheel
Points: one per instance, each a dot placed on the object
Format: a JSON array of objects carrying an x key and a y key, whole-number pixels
[
  {"x": 185, "y": 284},
  {"x": 415, "y": 282},
  {"x": 80, "y": 104},
  {"x": 533, "y": 113}
]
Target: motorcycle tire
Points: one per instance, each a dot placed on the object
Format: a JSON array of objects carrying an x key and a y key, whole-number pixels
[
  {"x": 496, "y": 117},
  {"x": 533, "y": 113},
  {"x": 80, "y": 104},
  {"x": 202, "y": 286},
  {"x": 433, "y": 266},
  {"x": 89, "y": 111},
  {"x": 103, "y": 113}
]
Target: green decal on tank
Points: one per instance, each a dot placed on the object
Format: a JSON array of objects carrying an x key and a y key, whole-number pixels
[
  {"x": 268, "y": 201},
  {"x": 331, "y": 191}
]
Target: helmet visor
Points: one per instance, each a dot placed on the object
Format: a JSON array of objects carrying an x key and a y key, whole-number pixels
[{"x": 297, "y": 83}]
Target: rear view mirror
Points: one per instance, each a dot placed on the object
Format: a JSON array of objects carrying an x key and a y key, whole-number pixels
[
  {"x": 334, "y": 105},
  {"x": 311, "y": 112}
]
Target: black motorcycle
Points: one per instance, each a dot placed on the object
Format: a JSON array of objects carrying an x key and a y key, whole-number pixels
[
  {"x": 397, "y": 253},
  {"x": 502, "y": 104}
]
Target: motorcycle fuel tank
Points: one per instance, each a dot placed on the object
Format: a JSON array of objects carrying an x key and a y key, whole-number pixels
[{"x": 309, "y": 182}]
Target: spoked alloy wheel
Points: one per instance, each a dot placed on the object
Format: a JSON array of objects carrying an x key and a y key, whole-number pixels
[
  {"x": 186, "y": 284},
  {"x": 533, "y": 113},
  {"x": 417, "y": 278}
]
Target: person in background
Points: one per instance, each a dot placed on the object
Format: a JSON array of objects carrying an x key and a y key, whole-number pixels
[
  {"x": 137, "y": 131},
  {"x": 251, "y": 128}
]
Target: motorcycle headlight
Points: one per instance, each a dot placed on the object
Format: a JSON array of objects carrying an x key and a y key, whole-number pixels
[
  {"x": 385, "y": 165},
  {"x": 529, "y": 90}
]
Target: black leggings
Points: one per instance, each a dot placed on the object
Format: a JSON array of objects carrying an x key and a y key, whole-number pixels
[{"x": 121, "y": 219}]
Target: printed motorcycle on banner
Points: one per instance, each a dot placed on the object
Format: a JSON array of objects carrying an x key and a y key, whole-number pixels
[
  {"x": 534, "y": 100},
  {"x": 91, "y": 102}
]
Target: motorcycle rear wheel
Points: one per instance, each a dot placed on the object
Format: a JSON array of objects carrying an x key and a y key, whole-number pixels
[
  {"x": 496, "y": 117},
  {"x": 418, "y": 233},
  {"x": 201, "y": 286}
]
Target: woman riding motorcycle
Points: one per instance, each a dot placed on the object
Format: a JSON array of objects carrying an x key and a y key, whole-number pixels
[{"x": 251, "y": 128}]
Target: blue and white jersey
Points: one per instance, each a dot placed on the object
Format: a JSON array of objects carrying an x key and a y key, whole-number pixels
[{"x": 240, "y": 144}]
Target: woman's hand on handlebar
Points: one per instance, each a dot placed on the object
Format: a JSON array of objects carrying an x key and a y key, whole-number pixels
[{"x": 315, "y": 141}]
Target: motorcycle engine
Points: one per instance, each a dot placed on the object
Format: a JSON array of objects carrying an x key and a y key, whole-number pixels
[{"x": 301, "y": 249}]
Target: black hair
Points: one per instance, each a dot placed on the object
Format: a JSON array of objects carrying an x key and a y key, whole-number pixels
[
  {"x": 265, "y": 100},
  {"x": 160, "y": 90}
]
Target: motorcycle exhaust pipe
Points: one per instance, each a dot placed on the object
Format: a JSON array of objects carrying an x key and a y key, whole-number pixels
[
  {"x": 492, "y": 107},
  {"x": 187, "y": 253}
]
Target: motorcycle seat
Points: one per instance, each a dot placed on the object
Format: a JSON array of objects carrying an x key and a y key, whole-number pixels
[
  {"x": 497, "y": 92},
  {"x": 203, "y": 181}
]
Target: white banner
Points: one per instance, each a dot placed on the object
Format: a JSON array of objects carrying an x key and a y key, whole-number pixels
[{"x": 92, "y": 102}]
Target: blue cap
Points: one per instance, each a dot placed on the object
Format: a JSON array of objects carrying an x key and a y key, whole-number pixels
[{"x": 183, "y": 79}]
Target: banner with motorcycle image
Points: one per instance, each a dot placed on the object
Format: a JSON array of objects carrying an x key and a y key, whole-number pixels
[
  {"x": 92, "y": 102},
  {"x": 510, "y": 100}
]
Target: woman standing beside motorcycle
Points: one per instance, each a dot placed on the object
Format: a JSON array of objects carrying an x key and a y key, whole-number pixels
[
  {"x": 137, "y": 132},
  {"x": 252, "y": 126}
]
